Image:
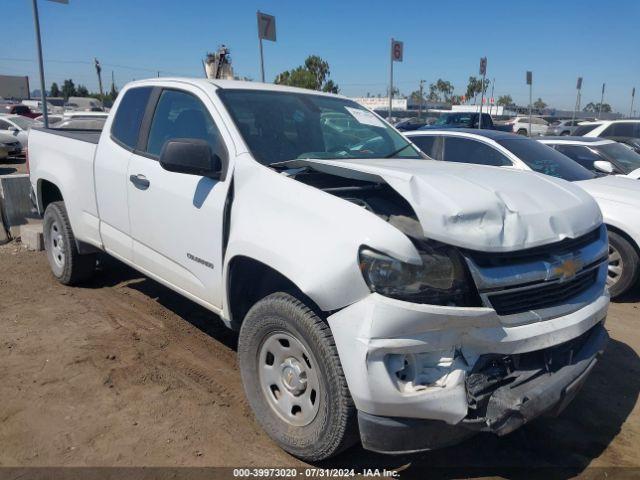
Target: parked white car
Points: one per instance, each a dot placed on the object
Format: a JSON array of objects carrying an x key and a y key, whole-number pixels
[
  {"x": 10, "y": 144},
  {"x": 618, "y": 197},
  {"x": 600, "y": 155},
  {"x": 520, "y": 125},
  {"x": 18, "y": 126},
  {"x": 377, "y": 294},
  {"x": 609, "y": 129}
]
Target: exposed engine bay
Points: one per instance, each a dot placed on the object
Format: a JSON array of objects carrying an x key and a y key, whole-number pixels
[{"x": 376, "y": 197}]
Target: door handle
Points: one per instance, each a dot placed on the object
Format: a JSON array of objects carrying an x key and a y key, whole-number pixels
[{"x": 140, "y": 181}]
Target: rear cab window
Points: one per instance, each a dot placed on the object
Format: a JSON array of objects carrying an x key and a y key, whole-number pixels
[{"x": 128, "y": 118}]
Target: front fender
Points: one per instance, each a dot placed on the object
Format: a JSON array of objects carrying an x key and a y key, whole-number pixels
[{"x": 307, "y": 235}]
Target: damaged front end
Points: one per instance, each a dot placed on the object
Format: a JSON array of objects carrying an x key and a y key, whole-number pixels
[{"x": 506, "y": 391}]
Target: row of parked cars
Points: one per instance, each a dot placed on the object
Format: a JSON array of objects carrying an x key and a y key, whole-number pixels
[{"x": 404, "y": 291}]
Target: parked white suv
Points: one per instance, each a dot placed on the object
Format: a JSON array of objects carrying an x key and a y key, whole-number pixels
[
  {"x": 520, "y": 125},
  {"x": 609, "y": 129},
  {"x": 378, "y": 295}
]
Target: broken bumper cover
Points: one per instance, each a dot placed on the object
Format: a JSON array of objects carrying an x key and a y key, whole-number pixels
[
  {"x": 506, "y": 409},
  {"x": 425, "y": 376}
]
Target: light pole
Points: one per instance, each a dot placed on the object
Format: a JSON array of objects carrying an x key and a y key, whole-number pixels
[
  {"x": 421, "y": 98},
  {"x": 43, "y": 91},
  {"x": 577, "y": 105},
  {"x": 601, "y": 100}
]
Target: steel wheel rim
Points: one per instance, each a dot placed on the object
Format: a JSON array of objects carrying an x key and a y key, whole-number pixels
[
  {"x": 288, "y": 378},
  {"x": 57, "y": 245},
  {"x": 615, "y": 266}
]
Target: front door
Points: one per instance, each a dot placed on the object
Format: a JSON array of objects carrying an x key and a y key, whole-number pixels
[{"x": 176, "y": 219}]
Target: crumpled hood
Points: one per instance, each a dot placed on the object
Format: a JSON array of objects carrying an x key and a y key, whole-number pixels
[
  {"x": 614, "y": 189},
  {"x": 482, "y": 208}
]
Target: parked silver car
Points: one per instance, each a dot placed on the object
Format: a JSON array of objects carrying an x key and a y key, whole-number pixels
[{"x": 563, "y": 127}]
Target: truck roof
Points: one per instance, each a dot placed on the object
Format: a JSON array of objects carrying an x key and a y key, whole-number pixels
[{"x": 232, "y": 84}]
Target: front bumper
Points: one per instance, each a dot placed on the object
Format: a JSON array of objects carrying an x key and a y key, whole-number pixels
[
  {"x": 505, "y": 408},
  {"x": 408, "y": 367}
]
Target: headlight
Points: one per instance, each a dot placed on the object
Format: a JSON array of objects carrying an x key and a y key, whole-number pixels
[{"x": 441, "y": 279}]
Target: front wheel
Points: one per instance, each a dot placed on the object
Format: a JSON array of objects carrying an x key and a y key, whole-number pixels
[
  {"x": 293, "y": 379},
  {"x": 66, "y": 263},
  {"x": 623, "y": 265}
]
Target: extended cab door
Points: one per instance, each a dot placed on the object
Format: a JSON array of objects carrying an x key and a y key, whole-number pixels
[
  {"x": 176, "y": 218},
  {"x": 118, "y": 140}
]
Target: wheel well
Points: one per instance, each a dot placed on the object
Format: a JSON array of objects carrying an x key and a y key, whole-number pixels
[
  {"x": 49, "y": 193},
  {"x": 625, "y": 236},
  {"x": 249, "y": 280}
]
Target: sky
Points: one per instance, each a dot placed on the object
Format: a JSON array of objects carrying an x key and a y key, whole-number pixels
[{"x": 558, "y": 40}]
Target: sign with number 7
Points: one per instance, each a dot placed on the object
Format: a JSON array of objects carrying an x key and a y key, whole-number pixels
[{"x": 266, "y": 26}]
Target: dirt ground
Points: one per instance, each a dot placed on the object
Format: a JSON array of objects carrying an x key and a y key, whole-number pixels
[
  {"x": 13, "y": 165},
  {"x": 124, "y": 372}
]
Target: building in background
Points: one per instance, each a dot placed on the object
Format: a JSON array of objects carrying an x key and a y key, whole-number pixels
[{"x": 14, "y": 87}]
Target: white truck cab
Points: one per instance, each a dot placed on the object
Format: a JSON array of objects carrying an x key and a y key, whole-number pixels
[{"x": 378, "y": 295}]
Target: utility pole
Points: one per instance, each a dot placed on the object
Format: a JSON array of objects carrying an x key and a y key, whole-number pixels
[
  {"x": 530, "y": 83},
  {"x": 483, "y": 72},
  {"x": 601, "y": 100},
  {"x": 577, "y": 105},
  {"x": 633, "y": 95},
  {"x": 421, "y": 98},
  {"x": 99, "y": 72},
  {"x": 493, "y": 85}
]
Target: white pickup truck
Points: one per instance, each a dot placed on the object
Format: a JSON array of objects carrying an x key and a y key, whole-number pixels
[{"x": 378, "y": 294}]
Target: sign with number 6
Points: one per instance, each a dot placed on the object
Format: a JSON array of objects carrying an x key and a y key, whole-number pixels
[{"x": 396, "y": 50}]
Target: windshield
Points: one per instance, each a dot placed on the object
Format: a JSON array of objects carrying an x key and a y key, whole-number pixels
[
  {"x": 619, "y": 155},
  {"x": 281, "y": 126},
  {"x": 24, "y": 123},
  {"x": 543, "y": 159},
  {"x": 584, "y": 129},
  {"x": 454, "y": 119}
]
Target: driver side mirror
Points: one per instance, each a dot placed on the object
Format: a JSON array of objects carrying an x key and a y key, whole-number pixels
[
  {"x": 191, "y": 156},
  {"x": 603, "y": 166}
]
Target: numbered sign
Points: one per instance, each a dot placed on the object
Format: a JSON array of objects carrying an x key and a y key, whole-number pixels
[
  {"x": 396, "y": 50},
  {"x": 266, "y": 27},
  {"x": 483, "y": 66},
  {"x": 579, "y": 84},
  {"x": 529, "y": 78}
]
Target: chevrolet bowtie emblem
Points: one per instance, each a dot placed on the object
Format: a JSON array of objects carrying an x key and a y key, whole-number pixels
[{"x": 567, "y": 269}]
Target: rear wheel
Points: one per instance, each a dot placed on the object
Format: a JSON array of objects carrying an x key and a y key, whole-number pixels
[
  {"x": 623, "y": 265},
  {"x": 67, "y": 265},
  {"x": 522, "y": 131},
  {"x": 565, "y": 133},
  {"x": 293, "y": 379}
]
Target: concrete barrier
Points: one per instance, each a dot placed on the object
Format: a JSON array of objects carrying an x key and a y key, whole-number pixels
[
  {"x": 31, "y": 236},
  {"x": 16, "y": 204}
]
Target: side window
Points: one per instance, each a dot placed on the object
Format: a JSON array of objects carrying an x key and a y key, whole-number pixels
[
  {"x": 181, "y": 115},
  {"x": 580, "y": 154},
  {"x": 4, "y": 125},
  {"x": 126, "y": 124},
  {"x": 464, "y": 150},
  {"x": 425, "y": 143},
  {"x": 619, "y": 130}
]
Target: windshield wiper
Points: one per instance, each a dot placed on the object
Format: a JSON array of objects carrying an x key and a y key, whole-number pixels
[{"x": 393, "y": 154}]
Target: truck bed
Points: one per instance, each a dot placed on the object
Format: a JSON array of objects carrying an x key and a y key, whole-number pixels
[{"x": 91, "y": 136}]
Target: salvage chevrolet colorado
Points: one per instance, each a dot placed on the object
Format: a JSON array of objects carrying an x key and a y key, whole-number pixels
[{"x": 379, "y": 295}]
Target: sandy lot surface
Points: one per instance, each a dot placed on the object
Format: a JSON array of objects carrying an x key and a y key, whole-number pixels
[{"x": 124, "y": 372}]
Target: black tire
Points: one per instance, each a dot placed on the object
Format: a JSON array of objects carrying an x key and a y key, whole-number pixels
[
  {"x": 623, "y": 265},
  {"x": 333, "y": 427},
  {"x": 565, "y": 133},
  {"x": 522, "y": 131},
  {"x": 67, "y": 265}
]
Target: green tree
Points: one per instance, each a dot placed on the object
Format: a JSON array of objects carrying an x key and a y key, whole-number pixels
[
  {"x": 441, "y": 90},
  {"x": 539, "y": 104},
  {"x": 595, "y": 107},
  {"x": 416, "y": 97},
  {"x": 55, "y": 90},
  {"x": 505, "y": 100},
  {"x": 312, "y": 75},
  {"x": 82, "y": 91},
  {"x": 68, "y": 89},
  {"x": 474, "y": 88}
]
